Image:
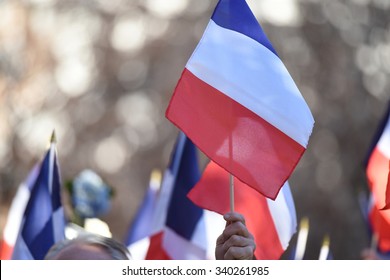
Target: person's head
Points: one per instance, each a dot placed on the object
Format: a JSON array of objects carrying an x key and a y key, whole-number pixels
[{"x": 88, "y": 247}]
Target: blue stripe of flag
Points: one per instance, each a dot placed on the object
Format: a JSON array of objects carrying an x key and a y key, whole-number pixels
[
  {"x": 237, "y": 16},
  {"x": 183, "y": 214},
  {"x": 56, "y": 190}
]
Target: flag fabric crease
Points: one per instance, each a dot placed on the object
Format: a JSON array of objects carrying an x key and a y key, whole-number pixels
[
  {"x": 43, "y": 222},
  {"x": 237, "y": 102}
]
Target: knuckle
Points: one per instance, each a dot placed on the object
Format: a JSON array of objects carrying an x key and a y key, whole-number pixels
[{"x": 235, "y": 239}]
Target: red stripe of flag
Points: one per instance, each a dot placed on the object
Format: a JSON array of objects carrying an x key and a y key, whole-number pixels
[
  {"x": 5, "y": 250},
  {"x": 377, "y": 175},
  {"x": 156, "y": 249},
  {"x": 381, "y": 226}
]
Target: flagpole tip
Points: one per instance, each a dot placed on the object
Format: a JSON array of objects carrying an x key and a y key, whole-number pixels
[
  {"x": 155, "y": 179},
  {"x": 53, "y": 138},
  {"x": 326, "y": 241},
  {"x": 304, "y": 224}
]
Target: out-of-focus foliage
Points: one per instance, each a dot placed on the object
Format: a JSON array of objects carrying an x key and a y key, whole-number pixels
[{"x": 101, "y": 74}]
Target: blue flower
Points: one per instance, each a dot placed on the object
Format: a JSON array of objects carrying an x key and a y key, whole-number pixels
[{"x": 90, "y": 195}]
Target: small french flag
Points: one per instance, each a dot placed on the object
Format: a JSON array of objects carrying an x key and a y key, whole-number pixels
[{"x": 43, "y": 222}]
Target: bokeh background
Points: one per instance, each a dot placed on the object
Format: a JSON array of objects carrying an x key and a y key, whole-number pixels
[{"x": 101, "y": 74}]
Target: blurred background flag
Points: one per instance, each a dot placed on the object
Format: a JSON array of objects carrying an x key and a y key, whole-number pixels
[
  {"x": 238, "y": 103},
  {"x": 300, "y": 247},
  {"x": 272, "y": 222},
  {"x": 377, "y": 168},
  {"x": 15, "y": 214},
  {"x": 43, "y": 222},
  {"x": 140, "y": 229},
  {"x": 183, "y": 230},
  {"x": 377, "y": 172},
  {"x": 325, "y": 253},
  {"x": 378, "y": 227}
]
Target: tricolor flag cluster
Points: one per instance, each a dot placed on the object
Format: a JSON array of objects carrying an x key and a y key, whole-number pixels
[
  {"x": 377, "y": 171},
  {"x": 184, "y": 230},
  {"x": 237, "y": 102}
]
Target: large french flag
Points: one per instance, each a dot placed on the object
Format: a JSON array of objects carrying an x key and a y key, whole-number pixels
[
  {"x": 272, "y": 222},
  {"x": 377, "y": 171},
  {"x": 43, "y": 222},
  {"x": 182, "y": 230},
  {"x": 15, "y": 214},
  {"x": 237, "y": 102}
]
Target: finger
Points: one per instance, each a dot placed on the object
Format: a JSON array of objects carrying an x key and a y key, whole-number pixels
[
  {"x": 220, "y": 240},
  {"x": 232, "y": 217},
  {"x": 239, "y": 253},
  {"x": 230, "y": 242},
  {"x": 236, "y": 228},
  {"x": 238, "y": 241}
]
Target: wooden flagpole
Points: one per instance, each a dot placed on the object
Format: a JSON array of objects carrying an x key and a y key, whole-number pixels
[
  {"x": 231, "y": 177},
  {"x": 231, "y": 193}
]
